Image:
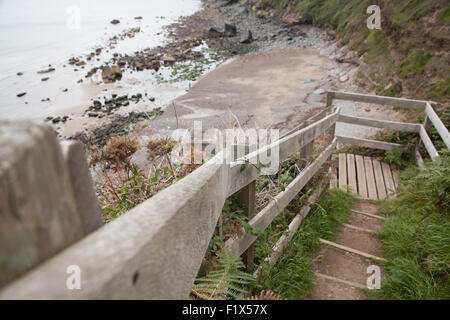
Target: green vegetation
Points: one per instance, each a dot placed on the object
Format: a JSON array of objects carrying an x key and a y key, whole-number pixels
[
  {"x": 227, "y": 281},
  {"x": 444, "y": 16},
  {"x": 414, "y": 63},
  {"x": 291, "y": 277},
  {"x": 400, "y": 157},
  {"x": 190, "y": 70},
  {"x": 397, "y": 49},
  {"x": 416, "y": 235}
]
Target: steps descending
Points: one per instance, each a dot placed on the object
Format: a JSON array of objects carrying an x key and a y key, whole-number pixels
[{"x": 341, "y": 268}]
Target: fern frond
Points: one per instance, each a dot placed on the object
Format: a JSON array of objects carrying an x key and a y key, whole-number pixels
[{"x": 227, "y": 282}]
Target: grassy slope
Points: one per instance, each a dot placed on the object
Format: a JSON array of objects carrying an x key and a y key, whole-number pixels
[
  {"x": 416, "y": 236},
  {"x": 292, "y": 277},
  {"x": 410, "y": 51}
]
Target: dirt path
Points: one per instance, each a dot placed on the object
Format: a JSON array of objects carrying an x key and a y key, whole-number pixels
[{"x": 341, "y": 274}]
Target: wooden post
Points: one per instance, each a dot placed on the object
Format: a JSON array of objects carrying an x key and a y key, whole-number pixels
[
  {"x": 247, "y": 197},
  {"x": 307, "y": 151},
  {"x": 332, "y": 131}
]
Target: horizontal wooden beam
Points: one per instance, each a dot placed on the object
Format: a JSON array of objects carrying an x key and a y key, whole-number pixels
[
  {"x": 384, "y": 124},
  {"x": 369, "y": 143},
  {"x": 395, "y": 102},
  {"x": 369, "y": 214},
  {"x": 428, "y": 144},
  {"x": 440, "y": 127},
  {"x": 349, "y": 283},
  {"x": 152, "y": 252},
  {"x": 243, "y": 171},
  {"x": 339, "y": 246},
  {"x": 263, "y": 219},
  {"x": 292, "y": 228}
]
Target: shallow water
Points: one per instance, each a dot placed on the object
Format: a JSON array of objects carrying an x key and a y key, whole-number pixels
[{"x": 37, "y": 33}]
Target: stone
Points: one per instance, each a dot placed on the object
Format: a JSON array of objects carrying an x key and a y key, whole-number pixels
[
  {"x": 169, "y": 59},
  {"x": 230, "y": 30},
  {"x": 21, "y": 94},
  {"x": 343, "y": 78},
  {"x": 319, "y": 91},
  {"x": 111, "y": 74},
  {"x": 115, "y": 21},
  {"x": 45, "y": 79},
  {"x": 214, "y": 33},
  {"x": 248, "y": 38}
]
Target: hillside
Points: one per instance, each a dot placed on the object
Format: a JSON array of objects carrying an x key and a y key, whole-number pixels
[{"x": 409, "y": 56}]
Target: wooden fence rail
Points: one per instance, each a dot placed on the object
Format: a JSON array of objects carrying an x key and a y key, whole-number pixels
[{"x": 50, "y": 221}]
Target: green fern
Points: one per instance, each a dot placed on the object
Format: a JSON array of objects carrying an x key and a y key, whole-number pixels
[{"x": 226, "y": 282}]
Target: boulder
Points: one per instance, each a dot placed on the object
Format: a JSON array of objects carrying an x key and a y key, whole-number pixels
[
  {"x": 230, "y": 30},
  {"x": 111, "y": 74},
  {"x": 247, "y": 38},
  {"x": 214, "y": 33}
]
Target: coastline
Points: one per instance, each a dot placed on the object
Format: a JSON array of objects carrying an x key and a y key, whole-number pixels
[{"x": 199, "y": 51}]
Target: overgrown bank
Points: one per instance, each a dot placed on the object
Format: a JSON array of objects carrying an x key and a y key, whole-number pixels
[
  {"x": 416, "y": 235},
  {"x": 409, "y": 56}
]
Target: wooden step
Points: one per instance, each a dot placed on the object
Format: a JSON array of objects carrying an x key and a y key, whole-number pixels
[{"x": 363, "y": 254}]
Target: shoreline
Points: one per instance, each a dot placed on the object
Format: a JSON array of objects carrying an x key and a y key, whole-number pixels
[{"x": 146, "y": 76}]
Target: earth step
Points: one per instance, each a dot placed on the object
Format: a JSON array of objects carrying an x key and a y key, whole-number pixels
[
  {"x": 358, "y": 228},
  {"x": 369, "y": 215},
  {"x": 362, "y": 241},
  {"x": 336, "y": 245},
  {"x": 325, "y": 289},
  {"x": 363, "y": 221},
  {"x": 350, "y": 283},
  {"x": 341, "y": 264}
]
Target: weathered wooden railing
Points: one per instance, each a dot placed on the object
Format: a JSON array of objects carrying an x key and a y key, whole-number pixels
[
  {"x": 430, "y": 119},
  {"x": 50, "y": 221}
]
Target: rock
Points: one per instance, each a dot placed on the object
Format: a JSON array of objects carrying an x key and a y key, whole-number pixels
[
  {"x": 19, "y": 73},
  {"x": 138, "y": 18},
  {"x": 344, "y": 78},
  {"x": 98, "y": 51},
  {"x": 65, "y": 90},
  {"x": 262, "y": 14},
  {"x": 152, "y": 99},
  {"x": 111, "y": 74},
  {"x": 169, "y": 59},
  {"x": 214, "y": 33},
  {"x": 230, "y": 30},
  {"x": 92, "y": 115},
  {"x": 243, "y": 11},
  {"x": 115, "y": 21},
  {"x": 319, "y": 91},
  {"x": 21, "y": 94},
  {"x": 247, "y": 38},
  {"x": 49, "y": 118},
  {"x": 56, "y": 120},
  {"x": 45, "y": 79},
  {"x": 46, "y": 70}
]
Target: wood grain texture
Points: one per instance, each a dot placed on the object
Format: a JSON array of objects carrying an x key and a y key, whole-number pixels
[
  {"x": 351, "y": 171},
  {"x": 361, "y": 174},
  {"x": 343, "y": 171},
  {"x": 370, "y": 176},
  {"x": 389, "y": 181},
  {"x": 384, "y": 124},
  {"x": 379, "y": 179}
]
